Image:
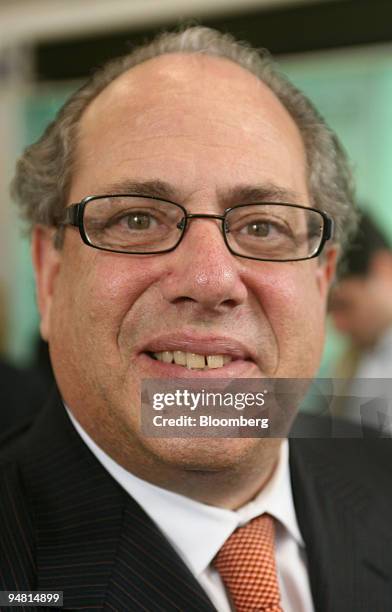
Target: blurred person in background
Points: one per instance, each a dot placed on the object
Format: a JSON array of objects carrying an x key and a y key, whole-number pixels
[
  {"x": 182, "y": 207},
  {"x": 361, "y": 304},
  {"x": 361, "y": 308}
]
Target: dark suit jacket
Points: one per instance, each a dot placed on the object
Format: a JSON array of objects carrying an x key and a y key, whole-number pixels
[
  {"x": 22, "y": 394},
  {"x": 66, "y": 525}
]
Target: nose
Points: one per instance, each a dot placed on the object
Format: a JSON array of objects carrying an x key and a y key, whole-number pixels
[{"x": 202, "y": 270}]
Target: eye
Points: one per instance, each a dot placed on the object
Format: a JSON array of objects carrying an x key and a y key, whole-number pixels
[
  {"x": 138, "y": 220},
  {"x": 258, "y": 228},
  {"x": 134, "y": 220},
  {"x": 261, "y": 228}
]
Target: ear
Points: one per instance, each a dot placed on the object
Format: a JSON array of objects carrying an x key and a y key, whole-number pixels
[
  {"x": 326, "y": 269},
  {"x": 46, "y": 261}
]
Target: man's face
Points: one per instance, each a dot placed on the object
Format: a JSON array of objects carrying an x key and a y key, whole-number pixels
[{"x": 216, "y": 137}]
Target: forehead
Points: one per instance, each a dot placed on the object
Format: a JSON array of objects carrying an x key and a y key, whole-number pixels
[
  {"x": 196, "y": 77},
  {"x": 180, "y": 108}
]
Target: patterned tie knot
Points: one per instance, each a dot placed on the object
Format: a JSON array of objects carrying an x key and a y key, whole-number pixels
[{"x": 246, "y": 564}]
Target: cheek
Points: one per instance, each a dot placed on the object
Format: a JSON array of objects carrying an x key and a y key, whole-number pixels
[
  {"x": 291, "y": 293},
  {"x": 110, "y": 287},
  {"x": 94, "y": 294},
  {"x": 301, "y": 307},
  {"x": 295, "y": 308}
]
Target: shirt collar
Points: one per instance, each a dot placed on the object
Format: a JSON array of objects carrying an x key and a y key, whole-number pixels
[{"x": 198, "y": 531}]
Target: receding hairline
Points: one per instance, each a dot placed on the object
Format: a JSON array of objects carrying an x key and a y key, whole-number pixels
[
  {"x": 173, "y": 58},
  {"x": 166, "y": 63}
]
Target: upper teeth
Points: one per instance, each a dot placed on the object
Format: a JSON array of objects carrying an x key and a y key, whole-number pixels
[{"x": 193, "y": 360}]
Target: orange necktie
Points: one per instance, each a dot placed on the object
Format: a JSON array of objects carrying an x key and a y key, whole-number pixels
[{"x": 246, "y": 564}]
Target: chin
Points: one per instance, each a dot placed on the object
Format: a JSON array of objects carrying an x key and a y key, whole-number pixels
[{"x": 203, "y": 454}]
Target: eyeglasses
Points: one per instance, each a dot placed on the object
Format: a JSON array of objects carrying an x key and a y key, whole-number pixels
[{"x": 144, "y": 225}]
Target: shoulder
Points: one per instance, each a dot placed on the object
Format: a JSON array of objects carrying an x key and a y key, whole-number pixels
[
  {"x": 13, "y": 445},
  {"x": 19, "y": 446},
  {"x": 12, "y": 439},
  {"x": 26, "y": 482},
  {"x": 363, "y": 461},
  {"x": 22, "y": 395},
  {"x": 17, "y": 558}
]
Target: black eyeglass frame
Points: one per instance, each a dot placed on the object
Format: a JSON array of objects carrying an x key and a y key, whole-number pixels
[{"x": 74, "y": 215}]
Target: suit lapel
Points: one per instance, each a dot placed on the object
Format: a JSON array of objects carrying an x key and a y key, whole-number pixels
[
  {"x": 148, "y": 574},
  {"x": 77, "y": 511},
  {"x": 345, "y": 526},
  {"x": 93, "y": 541}
]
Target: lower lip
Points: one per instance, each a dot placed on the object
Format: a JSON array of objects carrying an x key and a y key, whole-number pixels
[{"x": 238, "y": 368}]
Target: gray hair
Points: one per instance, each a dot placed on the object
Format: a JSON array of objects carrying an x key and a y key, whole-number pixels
[{"x": 44, "y": 172}]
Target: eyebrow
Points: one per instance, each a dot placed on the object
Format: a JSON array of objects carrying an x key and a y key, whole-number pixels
[
  {"x": 154, "y": 188},
  {"x": 240, "y": 194},
  {"x": 266, "y": 192}
]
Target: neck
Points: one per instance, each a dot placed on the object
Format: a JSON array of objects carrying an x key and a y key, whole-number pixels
[
  {"x": 230, "y": 488},
  {"x": 223, "y": 472},
  {"x": 228, "y": 483}
]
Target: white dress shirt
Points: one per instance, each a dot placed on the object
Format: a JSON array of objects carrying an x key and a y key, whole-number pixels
[{"x": 197, "y": 531}]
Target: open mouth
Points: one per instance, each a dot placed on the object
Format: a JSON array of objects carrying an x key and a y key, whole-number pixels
[
  {"x": 183, "y": 353},
  {"x": 192, "y": 361}
]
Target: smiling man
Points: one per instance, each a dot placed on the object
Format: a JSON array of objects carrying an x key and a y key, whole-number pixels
[{"x": 182, "y": 207}]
